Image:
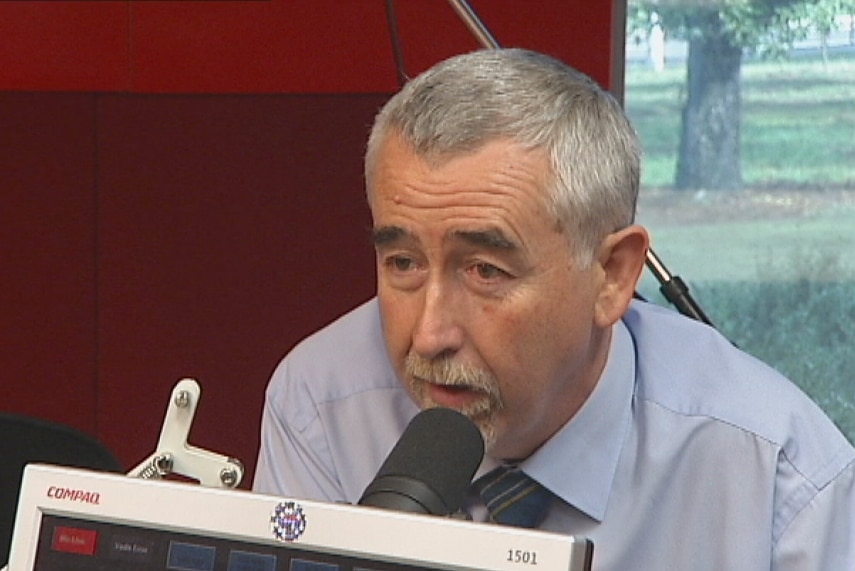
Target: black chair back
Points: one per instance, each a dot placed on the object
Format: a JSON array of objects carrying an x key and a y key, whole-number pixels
[{"x": 25, "y": 440}]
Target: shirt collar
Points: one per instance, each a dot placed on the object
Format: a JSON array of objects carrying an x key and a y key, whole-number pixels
[{"x": 579, "y": 462}]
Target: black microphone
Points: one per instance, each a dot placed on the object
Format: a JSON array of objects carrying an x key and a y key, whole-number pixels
[{"x": 430, "y": 467}]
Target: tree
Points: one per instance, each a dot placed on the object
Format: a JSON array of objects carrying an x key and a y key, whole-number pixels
[
  {"x": 823, "y": 16},
  {"x": 719, "y": 33}
]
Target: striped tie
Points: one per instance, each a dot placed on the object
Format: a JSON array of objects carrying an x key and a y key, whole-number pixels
[{"x": 512, "y": 498}]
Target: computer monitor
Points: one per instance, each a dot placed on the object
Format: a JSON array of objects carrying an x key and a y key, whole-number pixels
[{"x": 79, "y": 520}]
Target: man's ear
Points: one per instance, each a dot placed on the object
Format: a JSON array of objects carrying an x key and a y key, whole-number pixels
[{"x": 620, "y": 259}]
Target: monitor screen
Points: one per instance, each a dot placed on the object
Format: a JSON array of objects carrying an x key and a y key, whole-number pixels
[{"x": 78, "y": 520}]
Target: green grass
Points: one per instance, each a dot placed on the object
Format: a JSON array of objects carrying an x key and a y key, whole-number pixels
[
  {"x": 798, "y": 122},
  {"x": 798, "y": 132},
  {"x": 740, "y": 251}
]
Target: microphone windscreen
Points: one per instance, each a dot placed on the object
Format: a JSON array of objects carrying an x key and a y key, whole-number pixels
[{"x": 431, "y": 465}]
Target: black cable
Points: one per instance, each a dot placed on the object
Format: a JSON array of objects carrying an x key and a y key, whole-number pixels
[{"x": 397, "y": 53}]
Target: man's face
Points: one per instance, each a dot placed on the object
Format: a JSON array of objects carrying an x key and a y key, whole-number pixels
[{"x": 483, "y": 309}]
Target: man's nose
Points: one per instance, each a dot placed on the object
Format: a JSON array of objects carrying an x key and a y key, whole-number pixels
[{"x": 438, "y": 331}]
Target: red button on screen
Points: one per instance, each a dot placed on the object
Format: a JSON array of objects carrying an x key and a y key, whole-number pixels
[{"x": 74, "y": 540}]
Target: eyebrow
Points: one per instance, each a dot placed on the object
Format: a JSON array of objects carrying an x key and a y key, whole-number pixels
[
  {"x": 493, "y": 239},
  {"x": 385, "y": 235}
]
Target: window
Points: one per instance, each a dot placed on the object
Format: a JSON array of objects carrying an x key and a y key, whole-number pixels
[{"x": 746, "y": 114}]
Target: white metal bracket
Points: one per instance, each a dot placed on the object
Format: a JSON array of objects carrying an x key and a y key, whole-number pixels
[{"x": 175, "y": 456}]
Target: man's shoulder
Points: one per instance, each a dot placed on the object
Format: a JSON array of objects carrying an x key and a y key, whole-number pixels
[
  {"x": 354, "y": 335},
  {"x": 681, "y": 358},
  {"x": 691, "y": 370}
]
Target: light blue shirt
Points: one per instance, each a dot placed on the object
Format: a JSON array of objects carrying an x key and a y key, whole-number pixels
[{"x": 689, "y": 454}]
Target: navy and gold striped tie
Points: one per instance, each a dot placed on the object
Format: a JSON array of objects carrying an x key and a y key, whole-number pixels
[{"x": 513, "y": 498}]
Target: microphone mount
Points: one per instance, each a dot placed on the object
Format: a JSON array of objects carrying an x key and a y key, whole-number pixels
[{"x": 174, "y": 455}]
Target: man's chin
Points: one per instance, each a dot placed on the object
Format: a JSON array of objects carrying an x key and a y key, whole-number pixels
[{"x": 487, "y": 427}]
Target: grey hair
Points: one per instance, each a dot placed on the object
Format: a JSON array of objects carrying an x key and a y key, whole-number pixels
[{"x": 538, "y": 102}]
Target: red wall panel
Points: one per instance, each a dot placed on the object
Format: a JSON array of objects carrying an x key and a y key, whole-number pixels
[
  {"x": 321, "y": 46},
  {"x": 273, "y": 46},
  {"x": 306, "y": 46},
  {"x": 47, "y": 257},
  {"x": 68, "y": 46},
  {"x": 232, "y": 226}
]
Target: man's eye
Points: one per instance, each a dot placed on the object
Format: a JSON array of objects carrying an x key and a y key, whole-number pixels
[
  {"x": 400, "y": 263},
  {"x": 488, "y": 271}
]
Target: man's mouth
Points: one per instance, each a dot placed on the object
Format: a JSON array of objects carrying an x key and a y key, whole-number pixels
[
  {"x": 454, "y": 396},
  {"x": 456, "y": 388}
]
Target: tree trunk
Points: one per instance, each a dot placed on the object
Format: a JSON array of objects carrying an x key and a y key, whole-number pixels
[{"x": 709, "y": 138}]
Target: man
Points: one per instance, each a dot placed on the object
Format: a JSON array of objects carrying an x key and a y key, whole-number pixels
[{"x": 502, "y": 186}]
